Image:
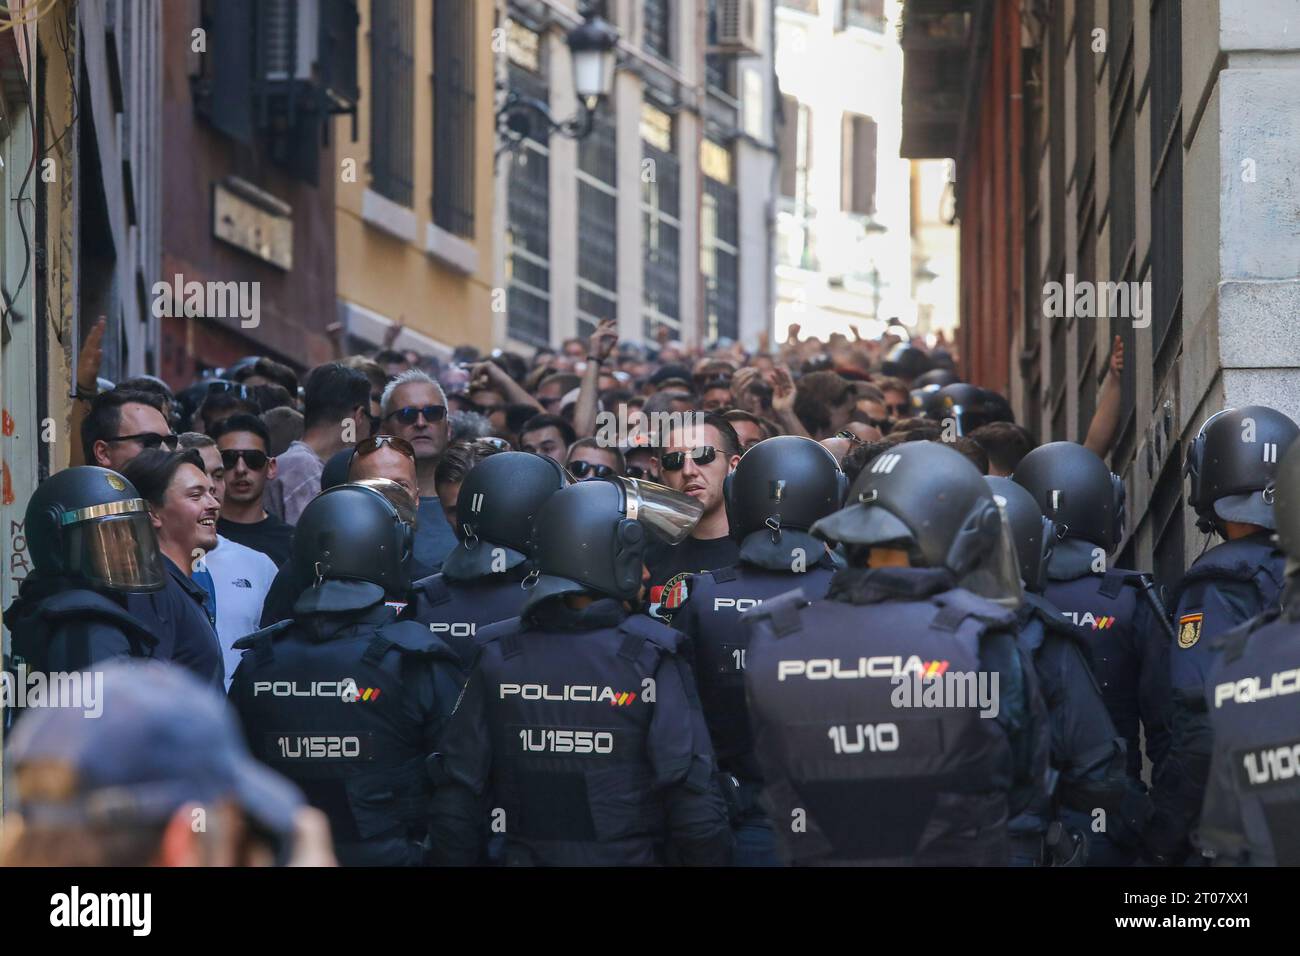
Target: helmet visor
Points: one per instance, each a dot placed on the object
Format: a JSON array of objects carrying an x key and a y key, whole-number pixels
[
  {"x": 996, "y": 575},
  {"x": 118, "y": 552},
  {"x": 670, "y": 514}
]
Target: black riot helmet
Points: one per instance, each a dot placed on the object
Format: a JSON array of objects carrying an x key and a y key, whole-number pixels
[
  {"x": 969, "y": 406},
  {"x": 906, "y": 362},
  {"x": 936, "y": 376},
  {"x": 1286, "y": 505},
  {"x": 584, "y": 541},
  {"x": 352, "y": 543},
  {"x": 494, "y": 512},
  {"x": 91, "y": 525},
  {"x": 1032, "y": 533},
  {"x": 784, "y": 482},
  {"x": 1076, "y": 490},
  {"x": 1232, "y": 463},
  {"x": 927, "y": 499}
]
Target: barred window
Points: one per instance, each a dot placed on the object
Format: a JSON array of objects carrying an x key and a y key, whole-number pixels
[
  {"x": 658, "y": 28},
  {"x": 392, "y": 98},
  {"x": 660, "y": 222},
  {"x": 597, "y": 224},
  {"x": 453, "y": 116},
  {"x": 528, "y": 246},
  {"x": 869, "y": 14},
  {"x": 719, "y": 253}
]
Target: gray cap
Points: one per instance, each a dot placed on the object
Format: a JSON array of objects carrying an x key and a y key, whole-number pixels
[{"x": 162, "y": 740}]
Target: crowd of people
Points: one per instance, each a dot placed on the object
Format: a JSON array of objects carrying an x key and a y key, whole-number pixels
[{"x": 621, "y": 604}]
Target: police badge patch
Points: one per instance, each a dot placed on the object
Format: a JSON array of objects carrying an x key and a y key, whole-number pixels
[{"x": 1189, "y": 630}]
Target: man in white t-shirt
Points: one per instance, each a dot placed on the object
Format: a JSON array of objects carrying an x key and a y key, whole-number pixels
[{"x": 240, "y": 576}]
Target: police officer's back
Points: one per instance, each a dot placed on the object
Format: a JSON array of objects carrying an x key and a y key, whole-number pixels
[
  {"x": 781, "y": 487},
  {"x": 1249, "y": 816},
  {"x": 347, "y": 701},
  {"x": 1087, "y": 753},
  {"x": 581, "y": 718},
  {"x": 481, "y": 579},
  {"x": 1232, "y": 465},
  {"x": 895, "y": 721},
  {"x": 91, "y": 542},
  {"x": 1112, "y": 608}
]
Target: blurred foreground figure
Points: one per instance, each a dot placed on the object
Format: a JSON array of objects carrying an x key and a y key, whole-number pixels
[
  {"x": 781, "y": 487},
  {"x": 160, "y": 778},
  {"x": 581, "y": 719},
  {"x": 343, "y": 698},
  {"x": 1249, "y": 817},
  {"x": 92, "y": 543},
  {"x": 1232, "y": 464},
  {"x": 895, "y": 721}
]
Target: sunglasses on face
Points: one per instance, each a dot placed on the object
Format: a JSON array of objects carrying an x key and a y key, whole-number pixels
[
  {"x": 581, "y": 469},
  {"x": 376, "y": 442},
  {"x": 149, "y": 440},
  {"x": 675, "y": 460},
  {"x": 637, "y": 471},
  {"x": 411, "y": 413},
  {"x": 900, "y": 409},
  {"x": 254, "y": 459}
]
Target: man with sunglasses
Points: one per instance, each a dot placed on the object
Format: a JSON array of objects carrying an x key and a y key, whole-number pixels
[
  {"x": 414, "y": 408},
  {"x": 337, "y": 413},
  {"x": 121, "y": 424},
  {"x": 694, "y": 459},
  {"x": 588, "y": 459},
  {"x": 243, "y": 441}
]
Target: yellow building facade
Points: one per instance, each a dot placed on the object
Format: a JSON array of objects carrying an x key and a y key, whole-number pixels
[{"x": 415, "y": 235}]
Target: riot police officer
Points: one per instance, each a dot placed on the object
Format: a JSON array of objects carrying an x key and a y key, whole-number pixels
[
  {"x": 1115, "y": 610},
  {"x": 90, "y": 539},
  {"x": 896, "y": 721},
  {"x": 480, "y": 581},
  {"x": 1232, "y": 465},
  {"x": 779, "y": 489},
  {"x": 968, "y": 406},
  {"x": 1087, "y": 754},
  {"x": 347, "y": 701},
  {"x": 1249, "y": 814},
  {"x": 581, "y": 719}
]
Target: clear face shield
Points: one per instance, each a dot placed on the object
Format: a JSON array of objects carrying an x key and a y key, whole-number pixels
[
  {"x": 996, "y": 575},
  {"x": 670, "y": 514},
  {"x": 114, "y": 547}
]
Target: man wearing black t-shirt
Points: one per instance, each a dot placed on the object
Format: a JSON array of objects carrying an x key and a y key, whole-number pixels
[
  {"x": 696, "y": 457},
  {"x": 243, "y": 441}
]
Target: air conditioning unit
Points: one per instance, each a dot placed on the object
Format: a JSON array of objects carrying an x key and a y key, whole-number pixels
[{"x": 738, "y": 27}]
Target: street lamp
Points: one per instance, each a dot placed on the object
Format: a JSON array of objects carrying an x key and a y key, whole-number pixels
[{"x": 592, "y": 45}]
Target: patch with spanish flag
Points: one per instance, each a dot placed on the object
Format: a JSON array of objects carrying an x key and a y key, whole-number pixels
[{"x": 1189, "y": 630}]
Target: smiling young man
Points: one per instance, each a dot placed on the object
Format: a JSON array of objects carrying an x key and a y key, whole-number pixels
[
  {"x": 695, "y": 459},
  {"x": 243, "y": 442},
  {"x": 183, "y": 509}
]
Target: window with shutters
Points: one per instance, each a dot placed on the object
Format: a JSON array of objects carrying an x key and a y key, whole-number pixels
[
  {"x": 719, "y": 251},
  {"x": 1166, "y": 179},
  {"x": 658, "y": 28},
  {"x": 453, "y": 116},
  {"x": 597, "y": 224},
  {"x": 858, "y": 165},
  {"x": 528, "y": 203},
  {"x": 392, "y": 92},
  {"x": 795, "y": 219},
  {"x": 661, "y": 223}
]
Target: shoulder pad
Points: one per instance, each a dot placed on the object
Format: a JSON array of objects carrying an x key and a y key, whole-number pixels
[
  {"x": 783, "y": 612},
  {"x": 1233, "y": 643},
  {"x": 643, "y": 629},
  {"x": 959, "y": 604},
  {"x": 411, "y": 637},
  {"x": 723, "y": 575},
  {"x": 84, "y": 603},
  {"x": 433, "y": 589},
  {"x": 271, "y": 633},
  {"x": 498, "y": 630}
]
